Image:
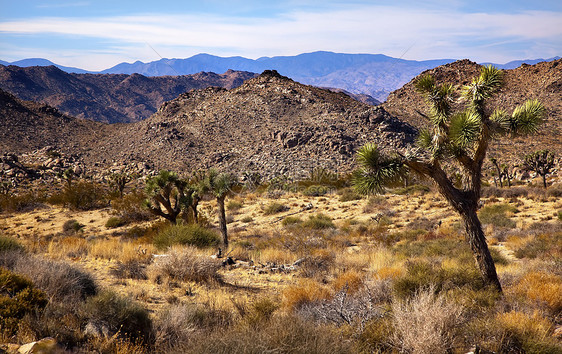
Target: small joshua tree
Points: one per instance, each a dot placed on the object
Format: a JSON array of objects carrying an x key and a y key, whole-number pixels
[
  {"x": 541, "y": 162},
  {"x": 168, "y": 195},
  {"x": 220, "y": 185},
  {"x": 503, "y": 172},
  {"x": 459, "y": 140},
  {"x": 118, "y": 182}
]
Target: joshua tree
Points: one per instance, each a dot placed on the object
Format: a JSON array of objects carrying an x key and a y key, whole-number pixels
[
  {"x": 455, "y": 139},
  {"x": 220, "y": 185},
  {"x": 542, "y": 162},
  {"x": 503, "y": 172},
  {"x": 168, "y": 195},
  {"x": 118, "y": 181}
]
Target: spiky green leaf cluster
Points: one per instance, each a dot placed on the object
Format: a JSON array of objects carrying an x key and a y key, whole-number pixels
[
  {"x": 464, "y": 129},
  {"x": 220, "y": 184},
  {"x": 440, "y": 98},
  {"x": 376, "y": 170},
  {"x": 484, "y": 86}
]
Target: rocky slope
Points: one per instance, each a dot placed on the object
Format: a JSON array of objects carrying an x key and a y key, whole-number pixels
[
  {"x": 542, "y": 81},
  {"x": 270, "y": 124},
  {"x": 109, "y": 98}
]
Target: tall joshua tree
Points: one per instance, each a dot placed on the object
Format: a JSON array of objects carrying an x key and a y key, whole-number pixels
[
  {"x": 220, "y": 185},
  {"x": 456, "y": 139},
  {"x": 168, "y": 195}
]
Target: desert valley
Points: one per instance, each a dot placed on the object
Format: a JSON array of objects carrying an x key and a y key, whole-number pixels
[{"x": 249, "y": 212}]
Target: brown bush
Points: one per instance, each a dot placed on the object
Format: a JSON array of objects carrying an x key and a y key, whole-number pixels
[{"x": 185, "y": 264}]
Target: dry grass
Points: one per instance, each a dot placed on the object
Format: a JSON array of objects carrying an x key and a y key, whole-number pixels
[
  {"x": 185, "y": 264},
  {"x": 425, "y": 323},
  {"x": 306, "y": 291},
  {"x": 542, "y": 287}
]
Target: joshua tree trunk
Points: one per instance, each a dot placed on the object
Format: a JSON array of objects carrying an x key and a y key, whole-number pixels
[
  {"x": 544, "y": 180},
  {"x": 477, "y": 240},
  {"x": 222, "y": 221}
]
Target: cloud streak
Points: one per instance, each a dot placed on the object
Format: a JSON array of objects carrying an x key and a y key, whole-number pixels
[{"x": 362, "y": 29}]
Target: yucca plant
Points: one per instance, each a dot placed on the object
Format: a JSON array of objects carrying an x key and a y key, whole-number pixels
[
  {"x": 167, "y": 195},
  {"x": 458, "y": 139},
  {"x": 220, "y": 185}
]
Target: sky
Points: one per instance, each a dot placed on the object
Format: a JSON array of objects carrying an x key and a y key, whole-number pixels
[{"x": 96, "y": 35}]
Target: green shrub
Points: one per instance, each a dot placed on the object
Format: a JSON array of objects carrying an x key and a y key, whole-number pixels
[
  {"x": 120, "y": 315},
  {"x": 542, "y": 246},
  {"x": 114, "y": 222},
  {"x": 349, "y": 194},
  {"x": 234, "y": 205},
  {"x": 559, "y": 214},
  {"x": 72, "y": 226},
  {"x": 8, "y": 244},
  {"x": 415, "y": 189},
  {"x": 420, "y": 274},
  {"x": 83, "y": 195},
  {"x": 247, "y": 219},
  {"x": 319, "y": 221},
  {"x": 274, "y": 208},
  {"x": 495, "y": 214},
  {"x": 315, "y": 191},
  {"x": 186, "y": 234},
  {"x": 18, "y": 297},
  {"x": 291, "y": 220}
]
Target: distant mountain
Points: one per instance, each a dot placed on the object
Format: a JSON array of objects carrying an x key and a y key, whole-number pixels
[
  {"x": 109, "y": 98},
  {"x": 517, "y": 63},
  {"x": 44, "y": 62},
  {"x": 372, "y": 74}
]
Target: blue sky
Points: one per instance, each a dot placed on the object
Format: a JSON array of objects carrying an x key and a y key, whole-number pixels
[{"x": 98, "y": 34}]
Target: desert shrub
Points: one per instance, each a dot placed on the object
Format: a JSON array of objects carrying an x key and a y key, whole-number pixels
[
  {"x": 234, "y": 205},
  {"x": 71, "y": 227},
  {"x": 247, "y": 219},
  {"x": 120, "y": 315},
  {"x": 20, "y": 202},
  {"x": 525, "y": 333},
  {"x": 351, "y": 280},
  {"x": 291, "y": 220},
  {"x": 542, "y": 287},
  {"x": 319, "y": 221},
  {"x": 415, "y": 189},
  {"x": 130, "y": 269},
  {"x": 61, "y": 281},
  {"x": 541, "y": 246},
  {"x": 451, "y": 248},
  {"x": 305, "y": 292},
  {"x": 274, "y": 208},
  {"x": 348, "y": 194},
  {"x": 186, "y": 234},
  {"x": 495, "y": 214},
  {"x": 425, "y": 323},
  {"x": 559, "y": 215},
  {"x": 421, "y": 274},
  {"x": 283, "y": 334},
  {"x": 513, "y": 192},
  {"x": 317, "y": 264},
  {"x": 8, "y": 244},
  {"x": 554, "y": 191},
  {"x": 114, "y": 222},
  {"x": 83, "y": 195},
  {"x": 130, "y": 208},
  {"x": 185, "y": 264},
  {"x": 18, "y": 297},
  {"x": 315, "y": 191}
]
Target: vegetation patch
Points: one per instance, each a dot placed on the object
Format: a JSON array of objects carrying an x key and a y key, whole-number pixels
[{"x": 186, "y": 234}]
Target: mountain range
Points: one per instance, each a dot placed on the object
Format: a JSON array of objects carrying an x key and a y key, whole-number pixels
[
  {"x": 373, "y": 74},
  {"x": 270, "y": 124}
]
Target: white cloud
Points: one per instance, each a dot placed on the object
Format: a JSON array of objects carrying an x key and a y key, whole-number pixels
[{"x": 363, "y": 29}]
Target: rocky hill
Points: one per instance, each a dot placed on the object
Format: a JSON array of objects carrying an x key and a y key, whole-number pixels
[
  {"x": 109, "y": 98},
  {"x": 270, "y": 124},
  {"x": 29, "y": 125},
  {"x": 542, "y": 81}
]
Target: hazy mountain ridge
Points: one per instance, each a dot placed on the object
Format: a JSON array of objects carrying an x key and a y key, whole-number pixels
[{"x": 374, "y": 74}]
